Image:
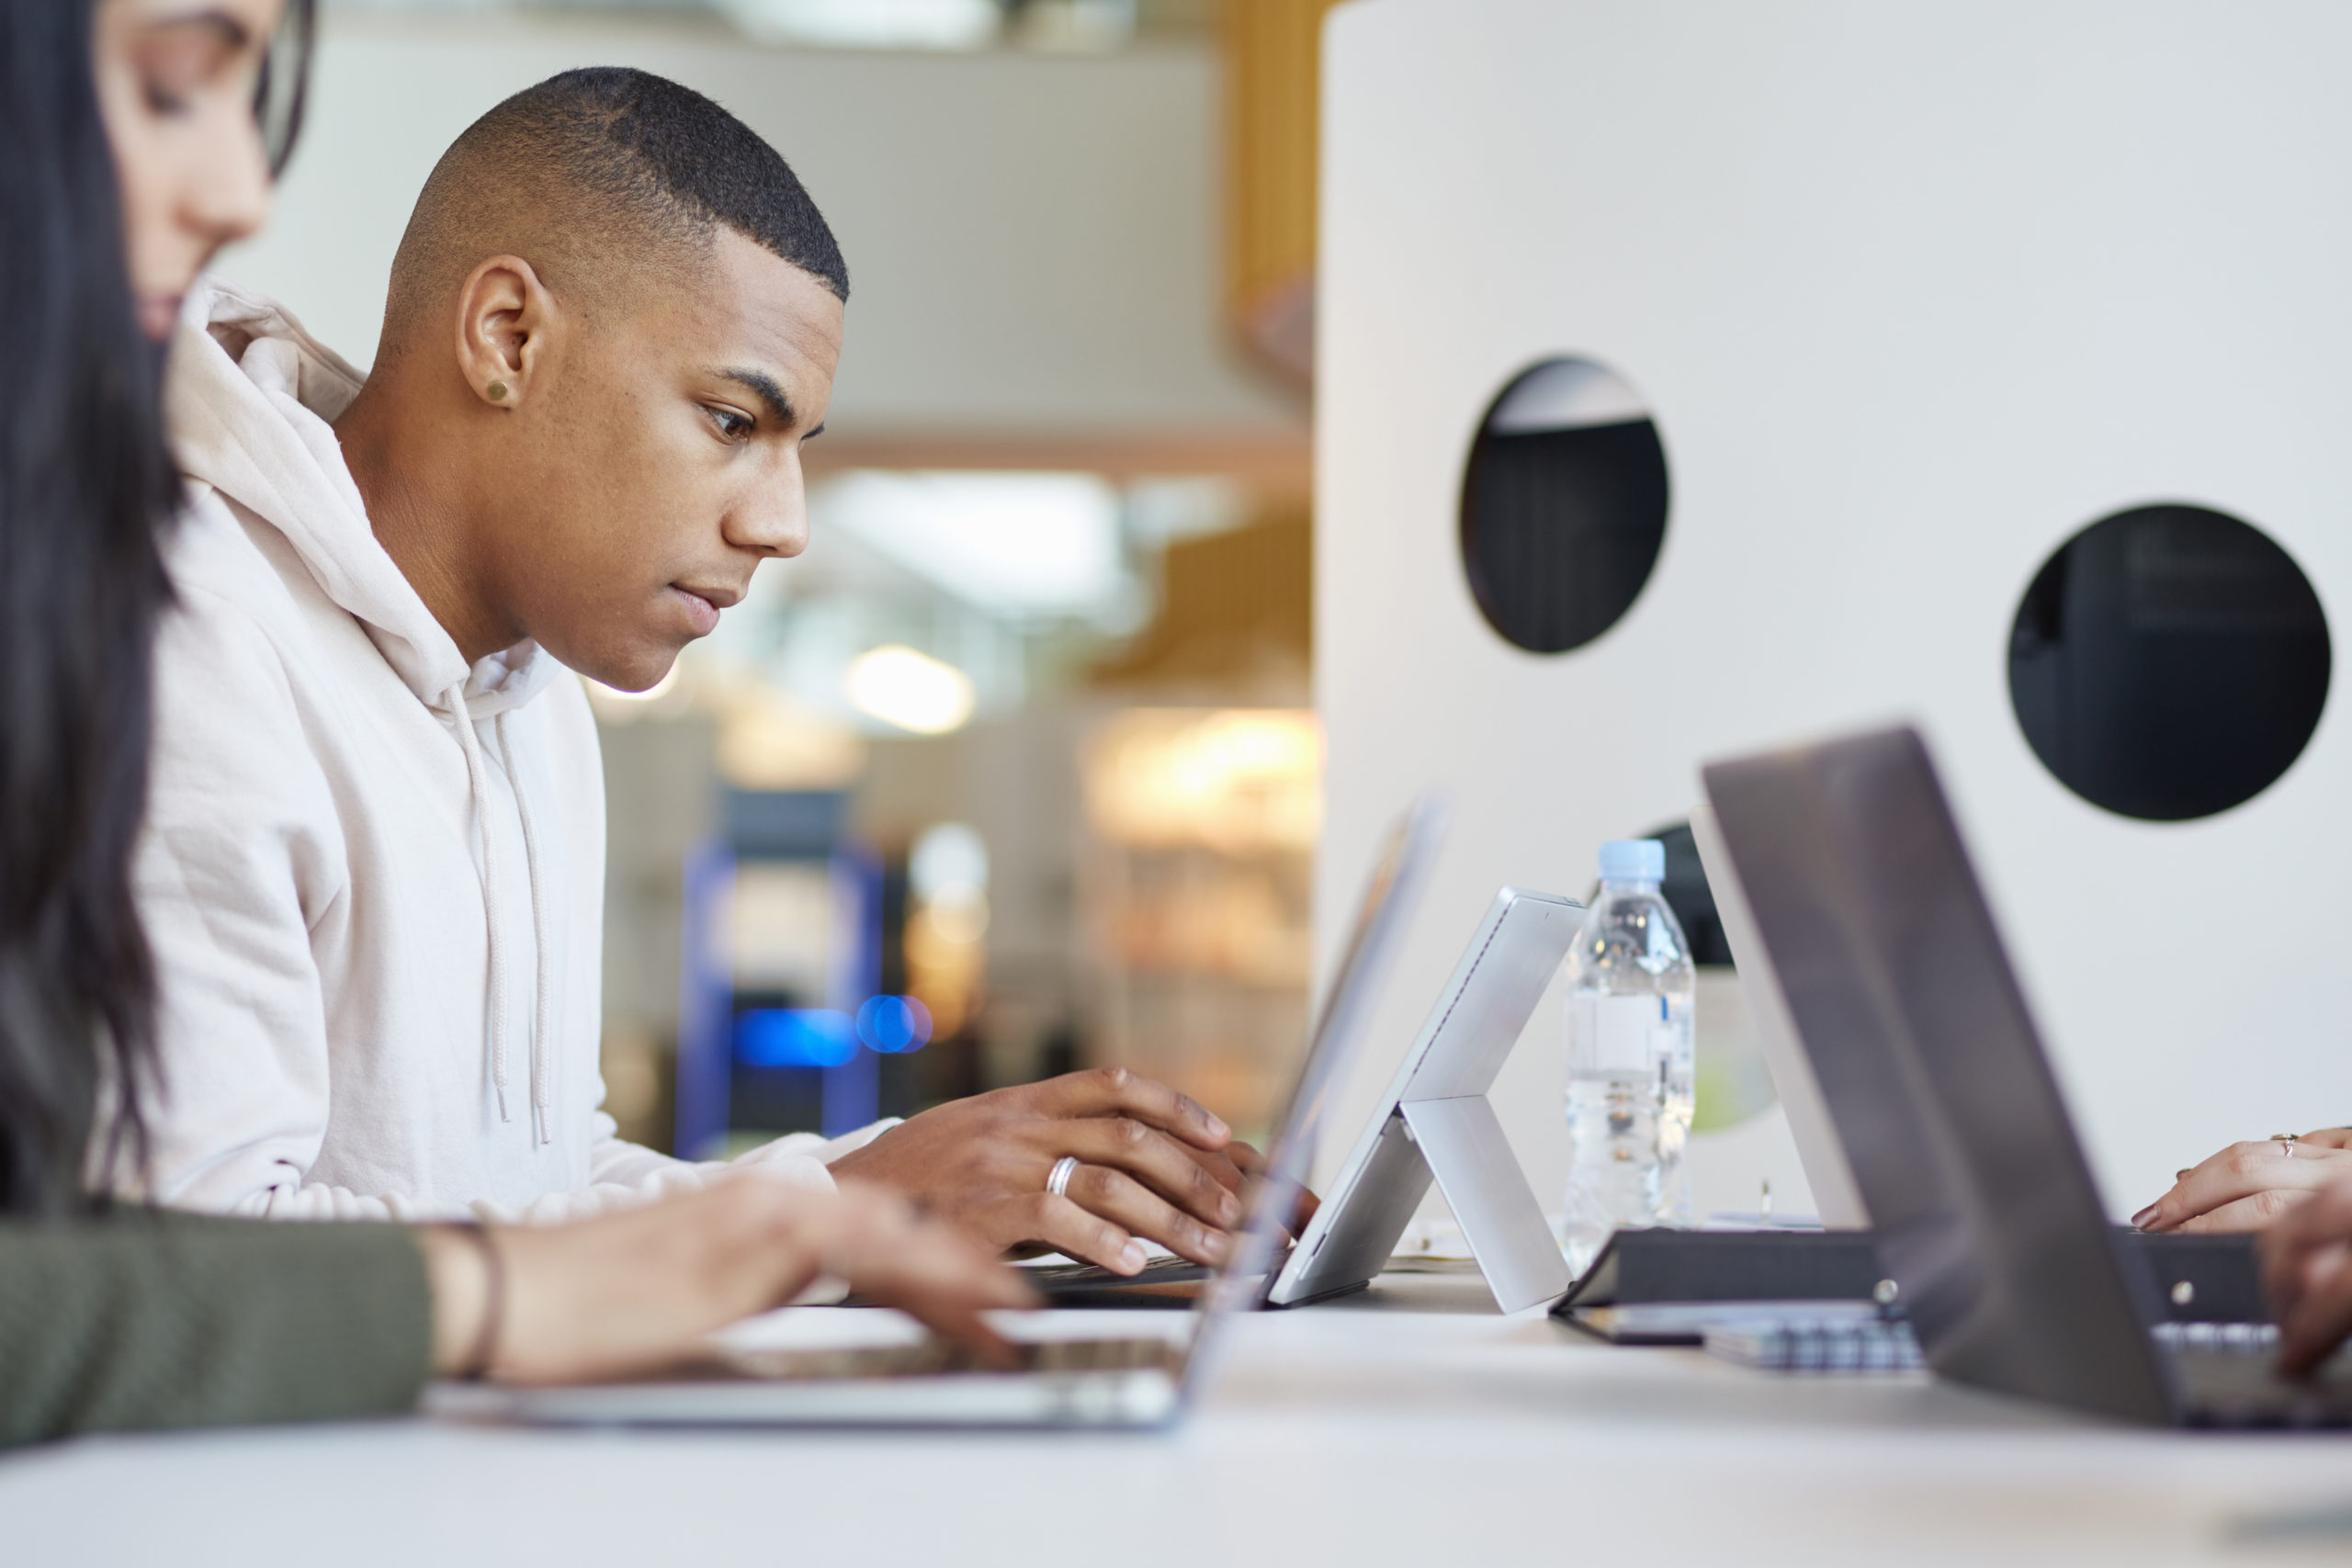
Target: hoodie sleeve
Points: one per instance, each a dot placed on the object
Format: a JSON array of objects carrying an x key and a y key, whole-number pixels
[
  {"x": 621, "y": 1173},
  {"x": 240, "y": 857}
]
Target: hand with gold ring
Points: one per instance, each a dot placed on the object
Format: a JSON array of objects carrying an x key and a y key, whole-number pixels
[{"x": 2248, "y": 1185}]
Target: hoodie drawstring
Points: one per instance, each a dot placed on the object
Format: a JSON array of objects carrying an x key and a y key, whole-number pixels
[
  {"x": 476, "y": 784},
  {"x": 538, "y": 942}
]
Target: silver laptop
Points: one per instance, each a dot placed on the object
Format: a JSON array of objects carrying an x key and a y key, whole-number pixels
[
  {"x": 1987, "y": 1218},
  {"x": 1139, "y": 1382}
]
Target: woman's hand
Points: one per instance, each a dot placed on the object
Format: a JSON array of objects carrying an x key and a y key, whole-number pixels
[
  {"x": 632, "y": 1291},
  {"x": 2247, "y": 1186},
  {"x": 1153, "y": 1165},
  {"x": 2307, "y": 1274}
]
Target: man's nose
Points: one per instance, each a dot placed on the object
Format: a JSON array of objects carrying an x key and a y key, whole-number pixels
[{"x": 772, "y": 519}]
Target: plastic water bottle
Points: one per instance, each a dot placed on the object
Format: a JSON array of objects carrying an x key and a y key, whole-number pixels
[{"x": 1633, "y": 1067}]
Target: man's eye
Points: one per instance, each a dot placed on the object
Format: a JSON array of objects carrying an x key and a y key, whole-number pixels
[{"x": 732, "y": 425}]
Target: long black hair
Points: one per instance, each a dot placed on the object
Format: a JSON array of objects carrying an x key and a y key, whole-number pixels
[{"x": 86, "y": 487}]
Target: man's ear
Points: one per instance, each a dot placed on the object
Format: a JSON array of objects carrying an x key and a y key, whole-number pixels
[{"x": 504, "y": 316}]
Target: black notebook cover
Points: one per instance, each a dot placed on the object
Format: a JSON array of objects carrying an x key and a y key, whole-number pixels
[
  {"x": 2197, "y": 1278},
  {"x": 1661, "y": 1265}
]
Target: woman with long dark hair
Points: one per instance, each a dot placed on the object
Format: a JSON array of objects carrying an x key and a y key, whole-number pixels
[{"x": 136, "y": 138}]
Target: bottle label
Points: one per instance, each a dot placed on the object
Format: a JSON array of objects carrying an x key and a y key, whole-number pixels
[{"x": 1616, "y": 1033}]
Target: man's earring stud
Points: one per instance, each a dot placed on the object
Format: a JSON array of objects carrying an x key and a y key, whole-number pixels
[{"x": 497, "y": 391}]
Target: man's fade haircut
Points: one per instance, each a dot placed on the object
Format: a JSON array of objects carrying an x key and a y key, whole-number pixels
[{"x": 592, "y": 167}]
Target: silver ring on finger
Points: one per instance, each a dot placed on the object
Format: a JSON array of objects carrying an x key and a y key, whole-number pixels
[{"x": 1057, "y": 1180}]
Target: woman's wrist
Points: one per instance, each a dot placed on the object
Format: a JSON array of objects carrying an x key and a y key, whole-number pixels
[{"x": 462, "y": 1267}]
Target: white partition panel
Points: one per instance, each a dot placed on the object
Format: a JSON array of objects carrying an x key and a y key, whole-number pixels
[{"x": 1914, "y": 291}]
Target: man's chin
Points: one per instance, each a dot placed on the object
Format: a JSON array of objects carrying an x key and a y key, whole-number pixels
[{"x": 634, "y": 677}]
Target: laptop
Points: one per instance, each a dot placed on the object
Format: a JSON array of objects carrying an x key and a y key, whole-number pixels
[
  {"x": 1989, "y": 1222},
  {"x": 1139, "y": 1382},
  {"x": 1435, "y": 1122}
]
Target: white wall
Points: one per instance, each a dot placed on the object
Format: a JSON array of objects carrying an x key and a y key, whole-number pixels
[
  {"x": 1915, "y": 292},
  {"x": 1032, "y": 240}
]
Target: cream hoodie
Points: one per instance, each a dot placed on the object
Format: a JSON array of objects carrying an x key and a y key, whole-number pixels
[{"x": 373, "y": 877}]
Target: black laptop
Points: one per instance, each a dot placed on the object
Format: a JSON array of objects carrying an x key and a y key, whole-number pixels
[{"x": 1988, "y": 1220}]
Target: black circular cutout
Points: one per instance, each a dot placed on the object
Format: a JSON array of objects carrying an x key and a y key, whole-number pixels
[
  {"x": 2169, "y": 662},
  {"x": 1563, "y": 505}
]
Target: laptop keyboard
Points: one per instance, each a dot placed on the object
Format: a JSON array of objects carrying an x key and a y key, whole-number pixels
[
  {"x": 938, "y": 1358},
  {"x": 2242, "y": 1338},
  {"x": 1841, "y": 1344},
  {"x": 1826, "y": 1345},
  {"x": 1051, "y": 1278}
]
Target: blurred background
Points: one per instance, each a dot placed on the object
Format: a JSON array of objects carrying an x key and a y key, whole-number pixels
[{"x": 1015, "y": 770}]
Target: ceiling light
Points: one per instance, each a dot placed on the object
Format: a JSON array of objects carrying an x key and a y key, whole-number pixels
[
  {"x": 947, "y": 855},
  {"x": 869, "y": 23},
  {"x": 910, "y": 690},
  {"x": 1012, "y": 544}
]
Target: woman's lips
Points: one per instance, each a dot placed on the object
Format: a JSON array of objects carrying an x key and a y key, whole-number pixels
[
  {"x": 699, "y": 610},
  {"x": 157, "y": 312}
]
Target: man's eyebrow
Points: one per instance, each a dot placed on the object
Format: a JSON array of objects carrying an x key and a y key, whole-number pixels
[{"x": 770, "y": 393}]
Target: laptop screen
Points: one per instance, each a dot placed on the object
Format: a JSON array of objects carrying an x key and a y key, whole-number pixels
[
  {"x": 1389, "y": 896},
  {"x": 1928, "y": 1057}
]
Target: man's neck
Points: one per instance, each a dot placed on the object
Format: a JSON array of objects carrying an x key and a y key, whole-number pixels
[{"x": 415, "y": 501}]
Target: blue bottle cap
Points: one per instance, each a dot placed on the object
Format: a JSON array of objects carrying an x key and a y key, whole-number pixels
[{"x": 1633, "y": 859}]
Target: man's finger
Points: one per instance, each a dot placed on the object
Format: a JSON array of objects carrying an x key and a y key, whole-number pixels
[
  {"x": 1151, "y": 1156},
  {"x": 1220, "y": 1163},
  {"x": 1247, "y": 1159},
  {"x": 1115, "y": 1091},
  {"x": 1073, "y": 1231},
  {"x": 1119, "y": 1197}
]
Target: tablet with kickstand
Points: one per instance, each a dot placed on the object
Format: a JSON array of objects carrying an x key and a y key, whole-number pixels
[{"x": 1435, "y": 1124}]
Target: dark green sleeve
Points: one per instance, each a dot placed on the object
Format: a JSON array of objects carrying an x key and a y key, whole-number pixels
[{"x": 141, "y": 1319}]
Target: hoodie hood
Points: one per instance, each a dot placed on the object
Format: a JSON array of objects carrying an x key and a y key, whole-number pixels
[{"x": 249, "y": 404}]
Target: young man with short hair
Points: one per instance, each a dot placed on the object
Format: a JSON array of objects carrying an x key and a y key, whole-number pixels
[{"x": 377, "y": 824}]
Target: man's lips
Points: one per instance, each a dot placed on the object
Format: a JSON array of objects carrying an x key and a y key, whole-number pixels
[{"x": 703, "y": 604}]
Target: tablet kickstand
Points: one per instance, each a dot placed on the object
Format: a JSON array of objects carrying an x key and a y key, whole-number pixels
[{"x": 1461, "y": 1142}]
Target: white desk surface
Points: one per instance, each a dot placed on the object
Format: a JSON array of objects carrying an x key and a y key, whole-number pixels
[{"x": 1410, "y": 1425}]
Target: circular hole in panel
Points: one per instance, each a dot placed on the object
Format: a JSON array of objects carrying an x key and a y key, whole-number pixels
[
  {"x": 2169, "y": 662},
  {"x": 1563, "y": 505}
]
